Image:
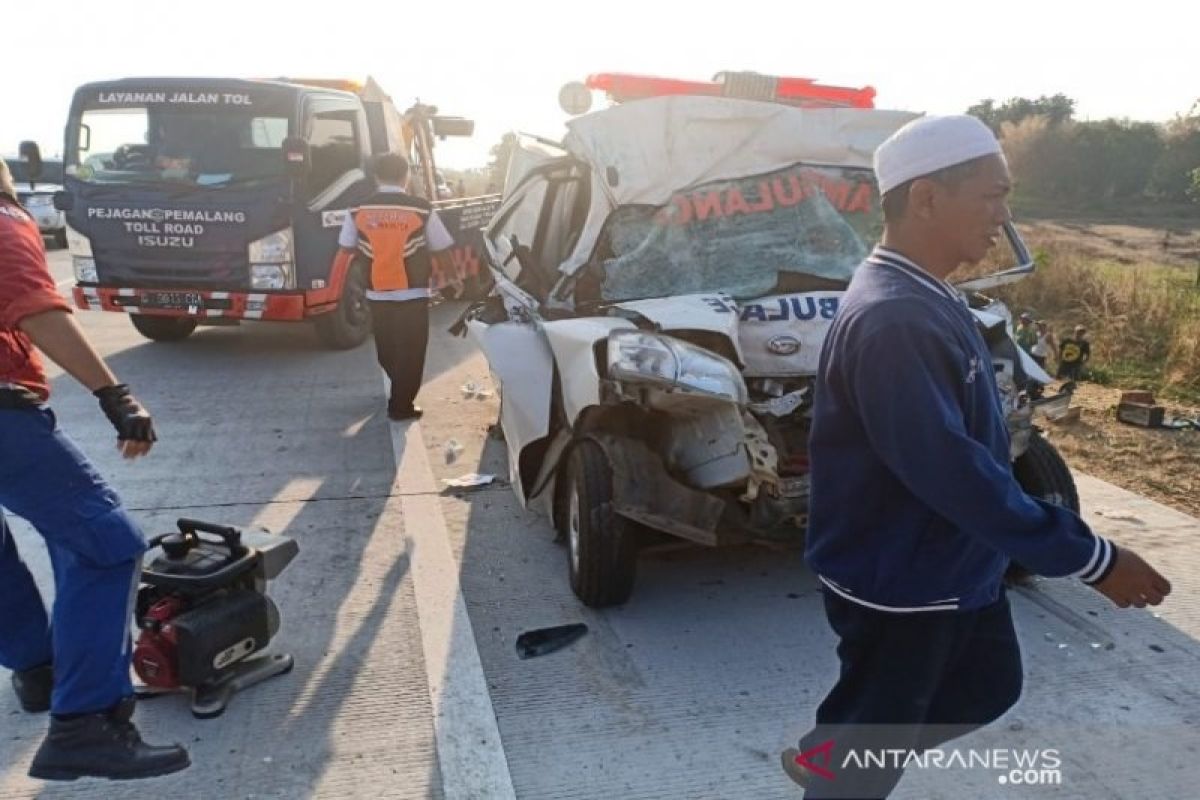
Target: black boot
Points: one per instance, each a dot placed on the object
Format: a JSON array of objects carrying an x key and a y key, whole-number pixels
[
  {"x": 104, "y": 745},
  {"x": 33, "y": 687}
]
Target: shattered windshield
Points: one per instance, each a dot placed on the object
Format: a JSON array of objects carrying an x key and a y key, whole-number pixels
[
  {"x": 743, "y": 237},
  {"x": 165, "y": 144}
]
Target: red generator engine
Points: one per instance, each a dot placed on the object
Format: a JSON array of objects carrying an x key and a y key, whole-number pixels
[{"x": 204, "y": 614}]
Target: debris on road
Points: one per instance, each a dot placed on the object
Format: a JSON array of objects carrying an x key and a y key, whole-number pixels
[
  {"x": 1069, "y": 416},
  {"x": 471, "y": 480},
  {"x": 1098, "y": 638},
  {"x": 474, "y": 391},
  {"x": 1139, "y": 408},
  {"x": 1119, "y": 515},
  {"x": 542, "y": 641}
]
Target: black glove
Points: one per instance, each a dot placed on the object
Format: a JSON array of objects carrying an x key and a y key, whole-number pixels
[{"x": 126, "y": 414}]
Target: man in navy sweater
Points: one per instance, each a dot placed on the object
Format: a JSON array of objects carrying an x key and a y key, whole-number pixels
[{"x": 915, "y": 511}]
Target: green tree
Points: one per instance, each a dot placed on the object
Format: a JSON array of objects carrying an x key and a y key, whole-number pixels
[
  {"x": 1173, "y": 176},
  {"x": 1057, "y": 109},
  {"x": 1113, "y": 159}
]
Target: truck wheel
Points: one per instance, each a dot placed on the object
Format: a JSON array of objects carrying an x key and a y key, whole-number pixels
[
  {"x": 349, "y": 324},
  {"x": 1043, "y": 474},
  {"x": 601, "y": 544},
  {"x": 163, "y": 329}
]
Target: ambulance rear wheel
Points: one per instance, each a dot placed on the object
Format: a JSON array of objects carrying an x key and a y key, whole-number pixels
[
  {"x": 163, "y": 329},
  {"x": 348, "y": 325},
  {"x": 1043, "y": 473}
]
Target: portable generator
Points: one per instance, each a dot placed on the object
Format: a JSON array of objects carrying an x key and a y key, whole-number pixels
[{"x": 204, "y": 614}]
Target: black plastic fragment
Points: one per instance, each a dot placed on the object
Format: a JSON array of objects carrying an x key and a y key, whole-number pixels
[{"x": 541, "y": 641}]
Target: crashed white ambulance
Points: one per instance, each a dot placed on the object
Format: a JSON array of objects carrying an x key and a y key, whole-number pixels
[{"x": 664, "y": 284}]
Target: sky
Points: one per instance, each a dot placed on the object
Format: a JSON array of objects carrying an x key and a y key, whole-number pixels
[{"x": 503, "y": 63}]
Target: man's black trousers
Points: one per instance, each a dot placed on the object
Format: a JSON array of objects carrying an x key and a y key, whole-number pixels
[
  {"x": 909, "y": 681},
  {"x": 401, "y": 330}
]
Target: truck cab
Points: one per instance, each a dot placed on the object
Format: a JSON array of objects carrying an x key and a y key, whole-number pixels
[{"x": 211, "y": 201}]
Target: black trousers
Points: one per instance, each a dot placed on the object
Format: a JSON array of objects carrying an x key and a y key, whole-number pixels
[
  {"x": 907, "y": 682},
  {"x": 401, "y": 330},
  {"x": 1069, "y": 370}
]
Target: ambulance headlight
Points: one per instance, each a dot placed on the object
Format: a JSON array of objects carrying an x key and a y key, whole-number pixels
[{"x": 672, "y": 364}]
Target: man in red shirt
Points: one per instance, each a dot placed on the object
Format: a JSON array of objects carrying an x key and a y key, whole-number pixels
[{"x": 77, "y": 665}]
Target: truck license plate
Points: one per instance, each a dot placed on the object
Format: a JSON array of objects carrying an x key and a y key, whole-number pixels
[{"x": 176, "y": 300}]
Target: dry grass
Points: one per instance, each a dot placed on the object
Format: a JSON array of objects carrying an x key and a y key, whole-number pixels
[
  {"x": 1159, "y": 464},
  {"x": 1134, "y": 287},
  {"x": 1143, "y": 317}
]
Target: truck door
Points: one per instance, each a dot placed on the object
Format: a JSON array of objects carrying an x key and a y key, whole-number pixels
[{"x": 336, "y": 131}]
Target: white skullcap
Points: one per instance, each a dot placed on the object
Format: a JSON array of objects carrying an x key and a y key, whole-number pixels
[{"x": 929, "y": 144}]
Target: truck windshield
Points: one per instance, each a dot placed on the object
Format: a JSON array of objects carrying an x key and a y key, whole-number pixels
[
  {"x": 745, "y": 237},
  {"x": 166, "y": 144}
]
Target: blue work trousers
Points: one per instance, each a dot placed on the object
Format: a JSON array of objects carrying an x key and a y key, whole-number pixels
[{"x": 95, "y": 550}]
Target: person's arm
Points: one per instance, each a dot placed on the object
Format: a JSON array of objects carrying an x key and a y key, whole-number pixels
[
  {"x": 906, "y": 378},
  {"x": 348, "y": 235},
  {"x": 32, "y": 304},
  {"x": 436, "y": 235},
  {"x": 56, "y": 334},
  {"x": 439, "y": 242}
]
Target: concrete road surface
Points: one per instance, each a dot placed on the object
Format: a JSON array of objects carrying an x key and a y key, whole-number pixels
[{"x": 406, "y": 601}]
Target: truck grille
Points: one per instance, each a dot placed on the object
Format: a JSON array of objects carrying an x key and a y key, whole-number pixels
[{"x": 173, "y": 268}]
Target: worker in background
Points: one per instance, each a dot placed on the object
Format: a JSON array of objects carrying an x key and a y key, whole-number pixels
[{"x": 400, "y": 235}]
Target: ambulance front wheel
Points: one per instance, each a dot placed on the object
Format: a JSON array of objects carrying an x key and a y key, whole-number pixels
[
  {"x": 602, "y": 546},
  {"x": 163, "y": 329}
]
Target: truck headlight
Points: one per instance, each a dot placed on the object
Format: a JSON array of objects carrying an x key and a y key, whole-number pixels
[
  {"x": 270, "y": 276},
  {"x": 639, "y": 357},
  {"x": 271, "y": 261},
  {"x": 85, "y": 269},
  {"x": 78, "y": 245}
]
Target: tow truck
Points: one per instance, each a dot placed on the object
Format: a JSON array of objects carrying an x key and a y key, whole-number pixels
[{"x": 202, "y": 201}]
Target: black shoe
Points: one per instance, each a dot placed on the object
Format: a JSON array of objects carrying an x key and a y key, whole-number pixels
[
  {"x": 405, "y": 414},
  {"x": 103, "y": 745},
  {"x": 33, "y": 687}
]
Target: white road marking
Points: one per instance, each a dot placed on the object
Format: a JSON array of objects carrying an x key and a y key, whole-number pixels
[{"x": 469, "y": 748}]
